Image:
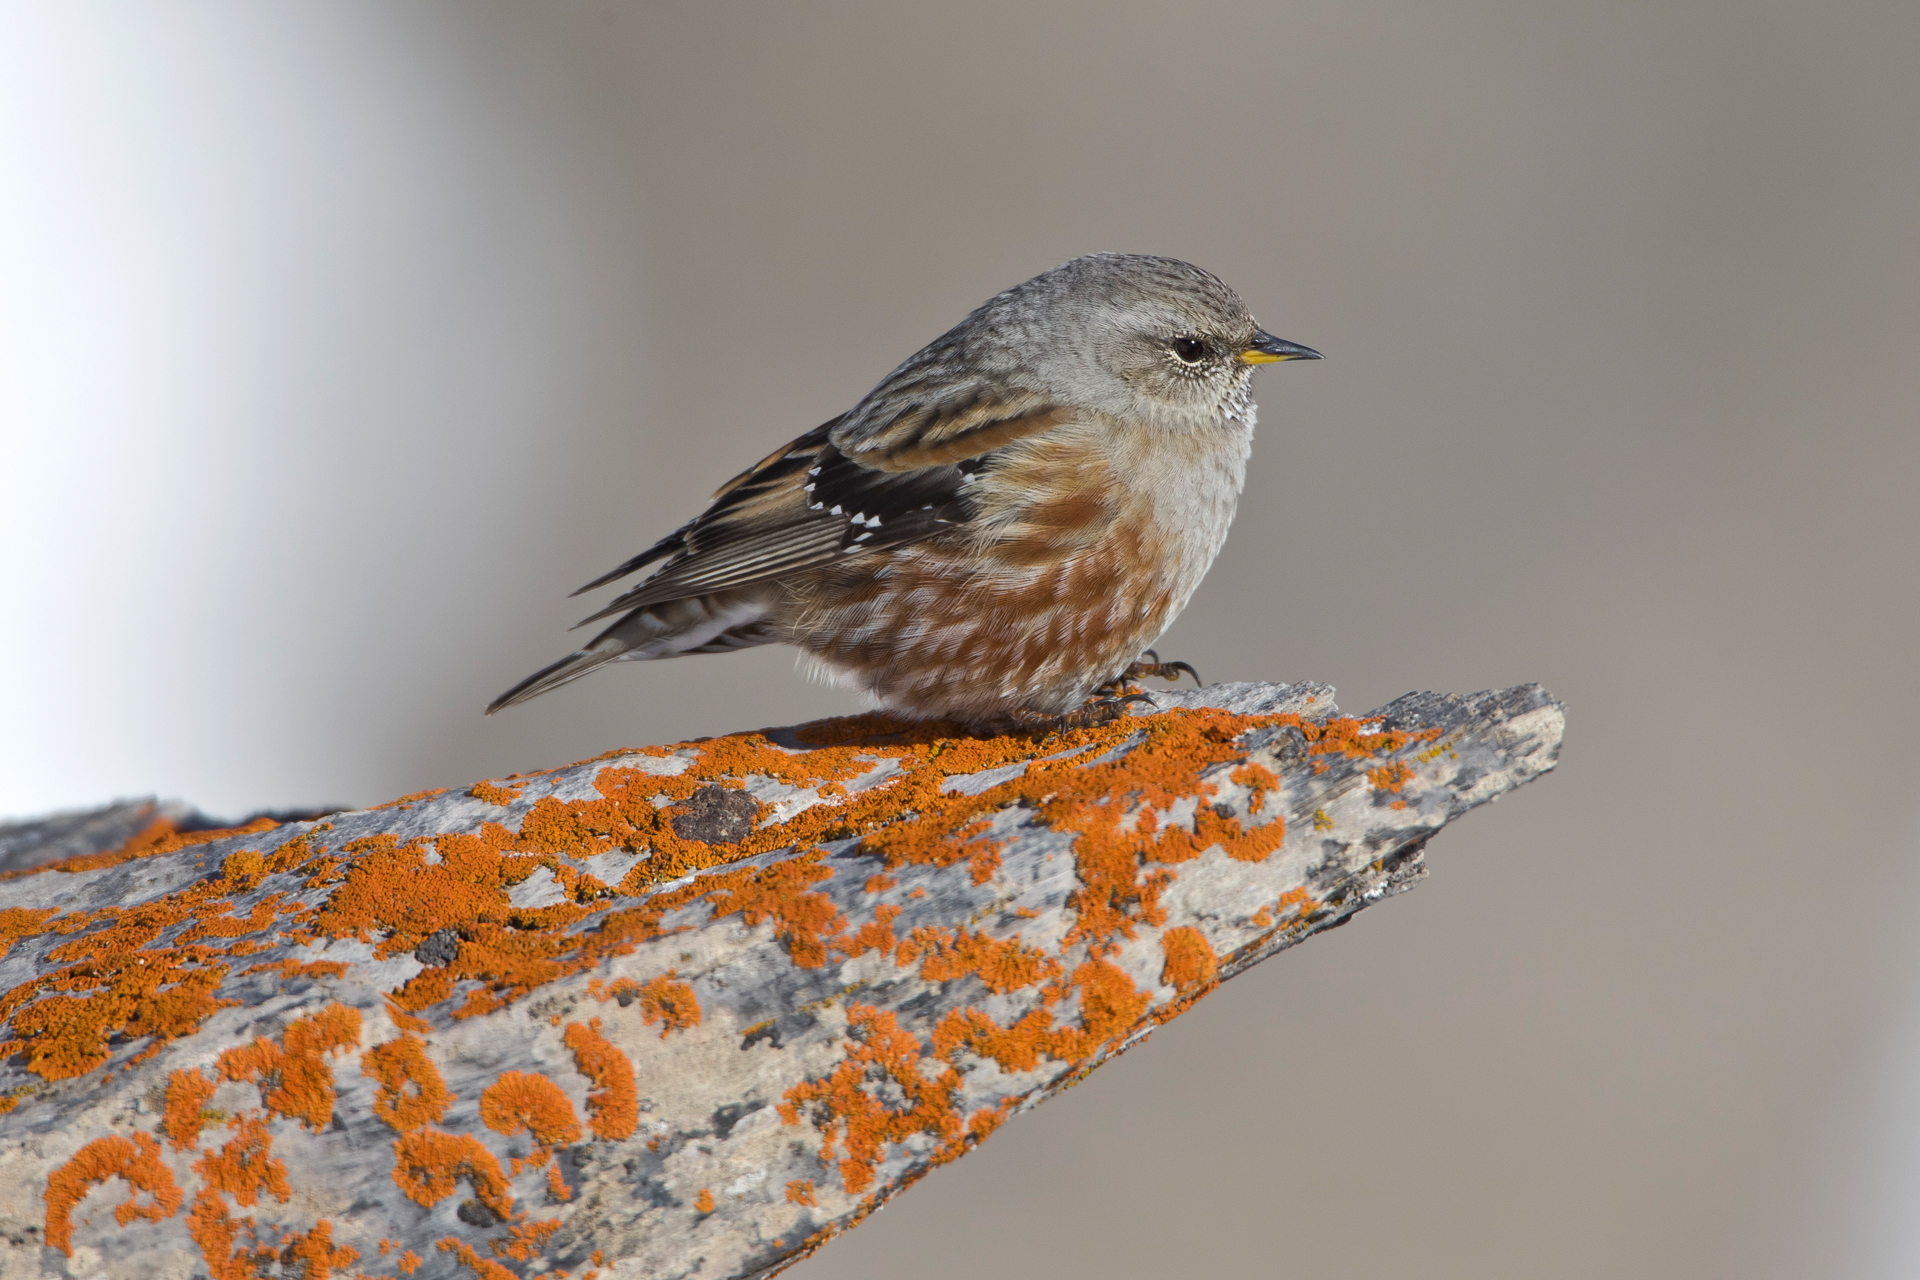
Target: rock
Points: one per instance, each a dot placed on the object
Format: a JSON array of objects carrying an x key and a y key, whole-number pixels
[{"x": 588, "y": 1019}]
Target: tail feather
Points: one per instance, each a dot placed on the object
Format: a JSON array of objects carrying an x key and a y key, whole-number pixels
[
  {"x": 716, "y": 623},
  {"x": 572, "y": 667}
]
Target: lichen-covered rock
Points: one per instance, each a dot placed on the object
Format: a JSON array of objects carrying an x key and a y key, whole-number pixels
[{"x": 691, "y": 1008}]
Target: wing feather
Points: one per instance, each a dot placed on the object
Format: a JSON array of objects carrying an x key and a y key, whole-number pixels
[
  {"x": 929, "y": 433},
  {"x": 812, "y": 502}
]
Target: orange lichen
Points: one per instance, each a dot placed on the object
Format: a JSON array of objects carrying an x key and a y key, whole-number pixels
[
  {"x": 120, "y": 988},
  {"x": 294, "y": 1078},
  {"x": 429, "y": 1163},
  {"x": 613, "y": 1109},
  {"x": 529, "y": 1101},
  {"x": 245, "y": 1166},
  {"x": 778, "y": 893},
  {"x": 136, "y": 1161},
  {"x": 1190, "y": 963},
  {"x": 496, "y": 793},
  {"x": 524, "y": 1241},
  {"x": 413, "y": 798},
  {"x": 22, "y": 922},
  {"x": 875, "y": 935},
  {"x": 1093, "y": 801},
  {"x": 409, "y": 1262},
  {"x": 288, "y": 969},
  {"x": 114, "y": 979},
  {"x": 262, "y": 917},
  {"x": 801, "y": 1192},
  {"x": 1110, "y": 1006},
  {"x": 188, "y": 1093},
  {"x": 851, "y": 1118},
  {"x": 316, "y": 1254},
  {"x": 243, "y": 869},
  {"x": 399, "y": 1065},
  {"x": 625, "y": 990},
  {"x": 403, "y": 893},
  {"x": 158, "y": 837},
  {"x": 1391, "y": 777},
  {"x": 670, "y": 1003},
  {"x": 1297, "y": 900},
  {"x": 875, "y": 884},
  {"x": 1258, "y": 779},
  {"x": 1003, "y": 964},
  {"x": 557, "y": 1188},
  {"x": 703, "y": 1203},
  {"x": 485, "y": 1268},
  {"x": 406, "y": 1021},
  {"x": 214, "y": 1230}
]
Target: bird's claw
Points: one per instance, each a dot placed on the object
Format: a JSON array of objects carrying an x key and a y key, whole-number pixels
[{"x": 1150, "y": 665}]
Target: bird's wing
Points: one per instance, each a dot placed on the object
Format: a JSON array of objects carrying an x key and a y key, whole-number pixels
[
  {"x": 905, "y": 425},
  {"x": 810, "y": 503}
]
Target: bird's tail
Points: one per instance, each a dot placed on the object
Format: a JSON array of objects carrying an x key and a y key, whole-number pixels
[
  {"x": 715, "y": 623},
  {"x": 572, "y": 667}
]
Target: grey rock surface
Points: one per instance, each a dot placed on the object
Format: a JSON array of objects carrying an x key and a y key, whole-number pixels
[
  {"x": 684, "y": 1010},
  {"x": 33, "y": 842}
]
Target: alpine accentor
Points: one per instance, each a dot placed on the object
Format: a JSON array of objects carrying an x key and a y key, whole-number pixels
[{"x": 1000, "y": 527}]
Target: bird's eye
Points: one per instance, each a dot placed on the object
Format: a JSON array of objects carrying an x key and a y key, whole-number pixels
[{"x": 1189, "y": 349}]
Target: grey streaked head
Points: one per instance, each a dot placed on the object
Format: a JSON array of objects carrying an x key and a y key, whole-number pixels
[{"x": 1142, "y": 338}]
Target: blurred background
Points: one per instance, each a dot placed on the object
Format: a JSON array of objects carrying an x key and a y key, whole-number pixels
[{"x": 338, "y": 341}]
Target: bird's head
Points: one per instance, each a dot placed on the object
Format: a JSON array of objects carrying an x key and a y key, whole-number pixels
[
  {"x": 1139, "y": 339},
  {"x": 1144, "y": 338}
]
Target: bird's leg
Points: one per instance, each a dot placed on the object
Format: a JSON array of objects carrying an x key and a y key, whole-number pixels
[{"x": 1148, "y": 665}]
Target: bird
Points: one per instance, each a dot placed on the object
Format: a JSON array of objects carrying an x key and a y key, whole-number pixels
[{"x": 996, "y": 531}]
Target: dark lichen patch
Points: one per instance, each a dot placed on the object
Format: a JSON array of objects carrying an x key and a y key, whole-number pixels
[
  {"x": 439, "y": 950},
  {"x": 716, "y": 815},
  {"x": 767, "y": 1033},
  {"x": 724, "y": 1118}
]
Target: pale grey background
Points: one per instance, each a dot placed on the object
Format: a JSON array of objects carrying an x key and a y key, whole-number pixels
[{"x": 338, "y": 341}]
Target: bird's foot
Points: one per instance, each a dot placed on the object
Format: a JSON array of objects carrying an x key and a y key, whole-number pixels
[
  {"x": 1148, "y": 665},
  {"x": 1090, "y": 714}
]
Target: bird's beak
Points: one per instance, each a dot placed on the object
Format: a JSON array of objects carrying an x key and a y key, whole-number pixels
[{"x": 1266, "y": 349}]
